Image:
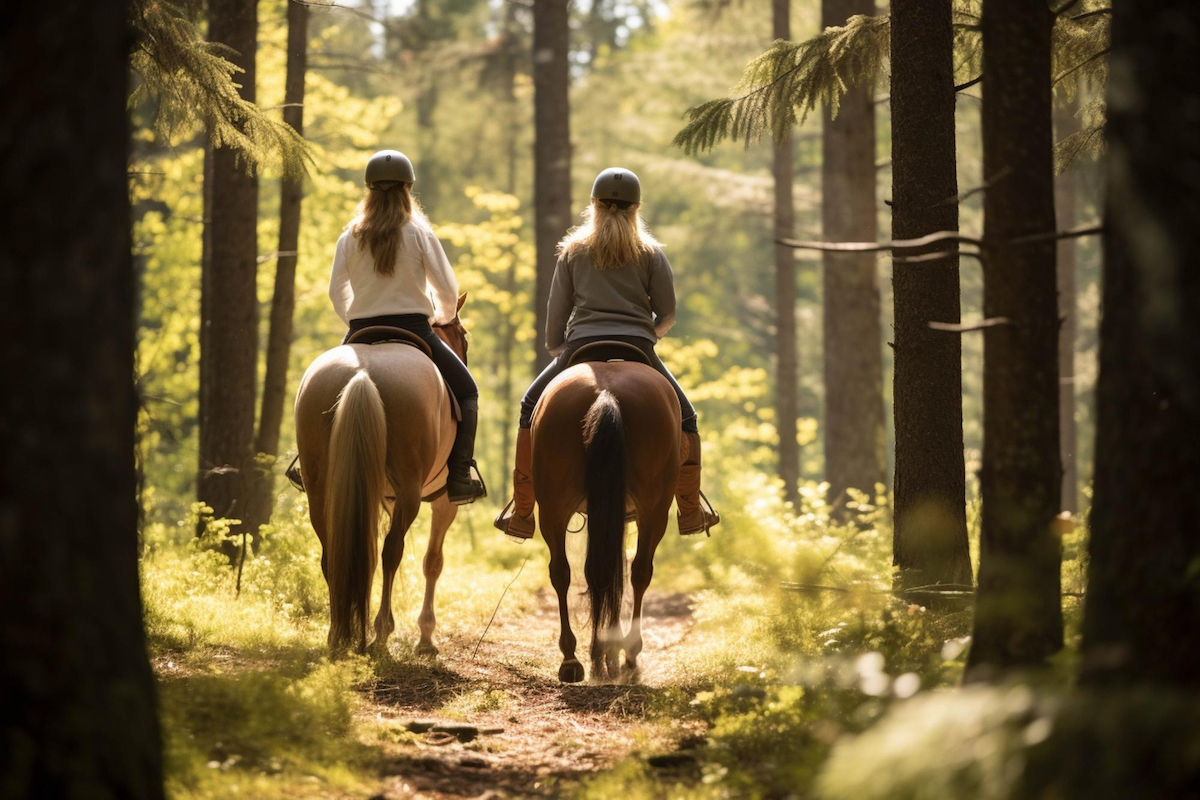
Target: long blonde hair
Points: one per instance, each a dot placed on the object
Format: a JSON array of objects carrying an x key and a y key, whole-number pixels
[
  {"x": 379, "y": 218},
  {"x": 611, "y": 235}
]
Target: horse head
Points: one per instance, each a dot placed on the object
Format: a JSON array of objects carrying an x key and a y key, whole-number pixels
[{"x": 454, "y": 333}]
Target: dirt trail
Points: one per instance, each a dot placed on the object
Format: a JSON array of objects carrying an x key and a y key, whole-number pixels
[{"x": 552, "y": 734}]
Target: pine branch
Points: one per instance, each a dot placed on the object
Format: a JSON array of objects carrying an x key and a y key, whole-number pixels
[
  {"x": 789, "y": 78},
  {"x": 195, "y": 84}
]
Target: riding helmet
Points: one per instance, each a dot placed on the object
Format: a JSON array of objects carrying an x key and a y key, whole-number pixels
[
  {"x": 617, "y": 183},
  {"x": 388, "y": 167}
]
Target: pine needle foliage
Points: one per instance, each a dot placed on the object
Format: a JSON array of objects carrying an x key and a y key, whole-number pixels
[
  {"x": 782, "y": 86},
  {"x": 791, "y": 77},
  {"x": 195, "y": 85}
]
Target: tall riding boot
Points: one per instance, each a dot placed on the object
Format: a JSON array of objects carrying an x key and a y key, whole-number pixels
[
  {"x": 695, "y": 512},
  {"x": 464, "y": 483},
  {"x": 517, "y": 517}
]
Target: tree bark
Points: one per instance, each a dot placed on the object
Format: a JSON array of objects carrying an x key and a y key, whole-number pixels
[
  {"x": 77, "y": 717},
  {"x": 551, "y": 151},
  {"x": 283, "y": 302},
  {"x": 231, "y": 329},
  {"x": 1142, "y": 602},
  {"x": 1064, "y": 205},
  {"x": 930, "y": 540},
  {"x": 785, "y": 294},
  {"x": 854, "y": 429},
  {"x": 1018, "y": 611}
]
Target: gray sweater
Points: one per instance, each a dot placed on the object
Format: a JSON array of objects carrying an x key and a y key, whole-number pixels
[{"x": 635, "y": 300}]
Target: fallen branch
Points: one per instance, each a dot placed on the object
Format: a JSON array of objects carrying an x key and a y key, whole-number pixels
[
  {"x": 960, "y": 87},
  {"x": 1086, "y": 230},
  {"x": 938, "y": 256},
  {"x": 949, "y": 589}
]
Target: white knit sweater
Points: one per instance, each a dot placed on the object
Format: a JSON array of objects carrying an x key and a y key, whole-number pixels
[{"x": 422, "y": 281}]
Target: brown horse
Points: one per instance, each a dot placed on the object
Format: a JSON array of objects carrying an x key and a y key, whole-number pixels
[
  {"x": 605, "y": 436},
  {"x": 375, "y": 422}
]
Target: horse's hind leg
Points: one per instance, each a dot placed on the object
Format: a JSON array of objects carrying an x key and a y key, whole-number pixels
[
  {"x": 652, "y": 525},
  {"x": 403, "y": 514},
  {"x": 443, "y": 515},
  {"x": 555, "y": 533}
]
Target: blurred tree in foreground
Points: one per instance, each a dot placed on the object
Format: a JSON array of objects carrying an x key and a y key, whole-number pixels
[
  {"x": 1144, "y": 574},
  {"x": 78, "y": 711}
]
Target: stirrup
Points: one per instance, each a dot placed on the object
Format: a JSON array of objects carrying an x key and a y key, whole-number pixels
[
  {"x": 293, "y": 473},
  {"x": 502, "y": 523},
  {"x": 473, "y": 477},
  {"x": 707, "y": 512}
]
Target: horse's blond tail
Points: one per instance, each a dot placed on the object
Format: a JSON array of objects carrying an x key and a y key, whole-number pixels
[{"x": 354, "y": 494}]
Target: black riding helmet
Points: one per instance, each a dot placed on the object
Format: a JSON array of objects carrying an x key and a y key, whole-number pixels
[
  {"x": 387, "y": 168},
  {"x": 619, "y": 186}
]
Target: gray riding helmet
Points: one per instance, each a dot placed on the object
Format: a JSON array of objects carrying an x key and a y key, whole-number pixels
[
  {"x": 388, "y": 166},
  {"x": 616, "y": 183}
]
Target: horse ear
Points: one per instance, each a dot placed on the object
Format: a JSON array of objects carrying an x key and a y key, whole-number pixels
[{"x": 462, "y": 298}]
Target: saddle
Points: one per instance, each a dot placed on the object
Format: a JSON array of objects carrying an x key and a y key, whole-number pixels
[
  {"x": 378, "y": 334},
  {"x": 608, "y": 350}
]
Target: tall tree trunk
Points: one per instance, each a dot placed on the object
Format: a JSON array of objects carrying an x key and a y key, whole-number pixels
[
  {"x": 930, "y": 540},
  {"x": 1065, "y": 190},
  {"x": 1143, "y": 602},
  {"x": 77, "y": 717},
  {"x": 785, "y": 295},
  {"x": 512, "y": 128},
  {"x": 283, "y": 302},
  {"x": 551, "y": 151},
  {"x": 854, "y": 430},
  {"x": 1018, "y": 610},
  {"x": 231, "y": 329}
]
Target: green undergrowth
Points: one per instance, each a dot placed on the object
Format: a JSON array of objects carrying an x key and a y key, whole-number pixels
[{"x": 797, "y": 650}]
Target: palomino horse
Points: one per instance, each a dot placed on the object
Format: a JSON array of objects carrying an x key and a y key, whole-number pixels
[
  {"x": 372, "y": 421},
  {"x": 605, "y": 434}
]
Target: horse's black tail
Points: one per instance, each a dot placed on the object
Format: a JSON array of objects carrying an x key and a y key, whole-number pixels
[{"x": 604, "y": 439}]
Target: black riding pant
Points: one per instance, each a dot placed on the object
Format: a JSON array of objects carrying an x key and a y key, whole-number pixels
[
  {"x": 560, "y": 362},
  {"x": 453, "y": 370}
]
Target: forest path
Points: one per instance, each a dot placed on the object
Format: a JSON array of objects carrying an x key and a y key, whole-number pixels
[{"x": 546, "y": 735}]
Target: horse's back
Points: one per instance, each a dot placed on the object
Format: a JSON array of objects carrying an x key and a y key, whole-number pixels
[{"x": 407, "y": 381}]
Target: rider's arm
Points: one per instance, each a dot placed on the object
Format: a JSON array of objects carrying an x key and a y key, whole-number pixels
[
  {"x": 560, "y": 306},
  {"x": 662, "y": 294},
  {"x": 439, "y": 276},
  {"x": 339, "y": 282}
]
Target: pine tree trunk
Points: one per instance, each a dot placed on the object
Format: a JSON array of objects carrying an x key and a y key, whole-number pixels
[
  {"x": 231, "y": 331},
  {"x": 551, "y": 151},
  {"x": 854, "y": 430},
  {"x": 1018, "y": 611},
  {"x": 283, "y": 302},
  {"x": 785, "y": 295},
  {"x": 1065, "y": 189},
  {"x": 77, "y": 709},
  {"x": 1142, "y": 604},
  {"x": 509, "y": 338},
  {"x": 930, "y": 540}
]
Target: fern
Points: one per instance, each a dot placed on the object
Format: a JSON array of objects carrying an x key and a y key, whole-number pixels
[{"x": 195, "y": 84}]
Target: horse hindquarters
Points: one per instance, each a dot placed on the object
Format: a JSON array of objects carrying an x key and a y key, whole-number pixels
[
  {"x": 354, "y": 491},
  {"x": 604, "y": 440}
]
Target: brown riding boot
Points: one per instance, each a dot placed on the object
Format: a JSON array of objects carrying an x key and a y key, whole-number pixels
[
  {"x": 516, "y": 519},
  {"x": 696, "y": 514}
]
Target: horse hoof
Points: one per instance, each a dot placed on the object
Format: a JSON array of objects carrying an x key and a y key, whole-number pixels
[
  {"x": 426, "y": 649},
  {"x": 570, "y": 672}
]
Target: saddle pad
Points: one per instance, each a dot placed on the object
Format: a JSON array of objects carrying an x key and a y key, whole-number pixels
[{"x": 608, "y": 350}]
